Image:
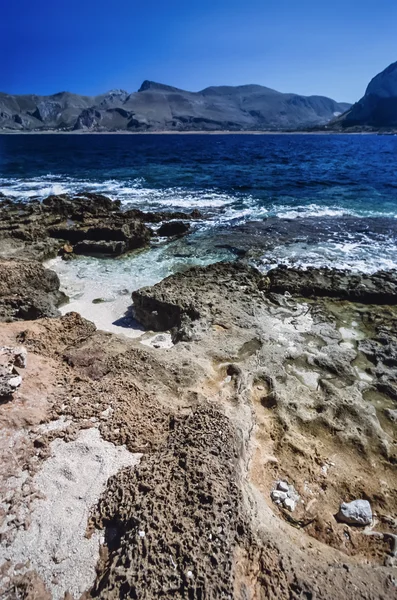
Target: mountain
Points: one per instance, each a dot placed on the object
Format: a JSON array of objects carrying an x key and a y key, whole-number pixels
[
  {"x": 158, "y": 107},
  {"x": 378, "y": 107}
]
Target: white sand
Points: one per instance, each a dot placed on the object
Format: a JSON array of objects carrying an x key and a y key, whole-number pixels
[{"x": 72, "y": 481}]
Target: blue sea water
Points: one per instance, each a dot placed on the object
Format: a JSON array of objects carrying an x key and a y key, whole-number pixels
[{"x": 230, "y": 178}]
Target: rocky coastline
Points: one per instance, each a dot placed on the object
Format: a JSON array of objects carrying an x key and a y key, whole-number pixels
[{"x": 254, "y": 456}]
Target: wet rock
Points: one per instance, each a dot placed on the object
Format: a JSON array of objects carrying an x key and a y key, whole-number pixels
[
  {"x": 256, "y": 237},
  {"x": 89, "y": 248},
  {"x": 173, "y": 228},
  {"x": 159, "y": 217},
  {"x": 84, "y": 204},
  {"x": 380, "y": 288},
  {"x": 42, "y": 230},
  {"x": 358, "y": 512}
]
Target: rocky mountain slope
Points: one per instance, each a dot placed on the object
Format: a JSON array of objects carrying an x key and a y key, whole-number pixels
[
  {"x": 378, "y": 107},
  {"x": 157, "y": 107}
]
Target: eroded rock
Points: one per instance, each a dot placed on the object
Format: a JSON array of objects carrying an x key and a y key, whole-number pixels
[{"x": 28, "y": 291}]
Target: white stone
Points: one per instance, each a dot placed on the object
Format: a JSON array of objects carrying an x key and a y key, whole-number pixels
[
  {"x": 282, "y": 486},
  {"x": 358, "y": 512},
  {"x": 290, "y": 504},
  {"x": 277, "y": 495},
  {"x": 141, "y": 534},
  {"x": 15, "y": 382}
]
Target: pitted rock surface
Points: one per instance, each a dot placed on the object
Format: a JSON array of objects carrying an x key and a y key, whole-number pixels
[{"x": 173, "y": 522}]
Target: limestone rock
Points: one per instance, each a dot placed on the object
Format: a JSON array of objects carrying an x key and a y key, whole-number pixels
[{"x": 358, "y": 512}]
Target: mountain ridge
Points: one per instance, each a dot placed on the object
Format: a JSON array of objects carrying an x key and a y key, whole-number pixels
[
  {"x": 377, "y": 109},
  {"x": 160, "y": 107}
]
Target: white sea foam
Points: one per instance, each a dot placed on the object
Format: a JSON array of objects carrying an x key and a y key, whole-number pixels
[
  {"x": 134, "y": 193},
  {"x": 222, "y": 206},
  {"x": 362, "y": 256}
]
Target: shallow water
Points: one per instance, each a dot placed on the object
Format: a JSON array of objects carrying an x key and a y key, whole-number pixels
[{"x": 232, "y": 179}]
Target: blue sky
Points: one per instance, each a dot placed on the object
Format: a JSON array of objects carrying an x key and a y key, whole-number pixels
[{"x": 327, "y": 47}]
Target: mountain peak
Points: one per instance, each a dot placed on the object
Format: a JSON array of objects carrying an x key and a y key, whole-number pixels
[
  {"x": 153, "y": 85},
  {"x": 385, "y": 83}
]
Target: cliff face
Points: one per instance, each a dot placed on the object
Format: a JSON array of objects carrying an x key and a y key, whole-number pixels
[
  {"x": 378, "y": 107},
  {"x": 158, "y": 107}
]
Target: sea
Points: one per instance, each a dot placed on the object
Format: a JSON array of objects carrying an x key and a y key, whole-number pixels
[{"x": 340, "y": 188}]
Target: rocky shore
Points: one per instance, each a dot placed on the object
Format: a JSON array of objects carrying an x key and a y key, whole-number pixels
[{"x": 254, "y": 456}]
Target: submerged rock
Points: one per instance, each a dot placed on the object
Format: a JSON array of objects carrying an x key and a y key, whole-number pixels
[{"x": 358, "y": 512}]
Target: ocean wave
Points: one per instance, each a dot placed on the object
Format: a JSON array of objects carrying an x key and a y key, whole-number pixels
[
  {"x": 220, "y": 206},
  {"x": 133, "y": 193},
  {"x": 356, "y": 256}
]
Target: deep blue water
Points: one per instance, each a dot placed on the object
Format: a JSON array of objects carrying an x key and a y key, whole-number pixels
[{"x": 232, "y": 178}]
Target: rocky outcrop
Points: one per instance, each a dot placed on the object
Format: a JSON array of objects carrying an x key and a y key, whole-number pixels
[
  {"x": 158, "y": 107},
  {"x": 377, "y": 109},
  {"x": 28, "y": 291},
  {"x": 108, "y": 237},
  {"x": 380, "y": 288},
  {"x": 90, "y": 224},
  {"x": 179, "y": 298}
]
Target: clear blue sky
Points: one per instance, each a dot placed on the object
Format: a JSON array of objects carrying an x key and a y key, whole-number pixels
[{"x": 328, "y": 47}]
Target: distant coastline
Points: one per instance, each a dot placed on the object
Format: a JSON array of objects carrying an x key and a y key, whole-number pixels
[{"x": 220, "y": 132}]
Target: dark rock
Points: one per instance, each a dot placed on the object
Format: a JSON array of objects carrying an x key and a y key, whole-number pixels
[
  {"x": 173, "y": 228},
  {"x": 39, "y": 231},
  {"x": 380, "y": 288},
  {"x": 110, "y": 248},
  {"x": 85, "y": 203},
  {"x": 111, "y": 238},
  {"x": 159, "y": 217}
]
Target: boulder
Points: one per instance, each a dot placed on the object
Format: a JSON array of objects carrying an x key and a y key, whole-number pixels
[{"x": 358, "y": 512}]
